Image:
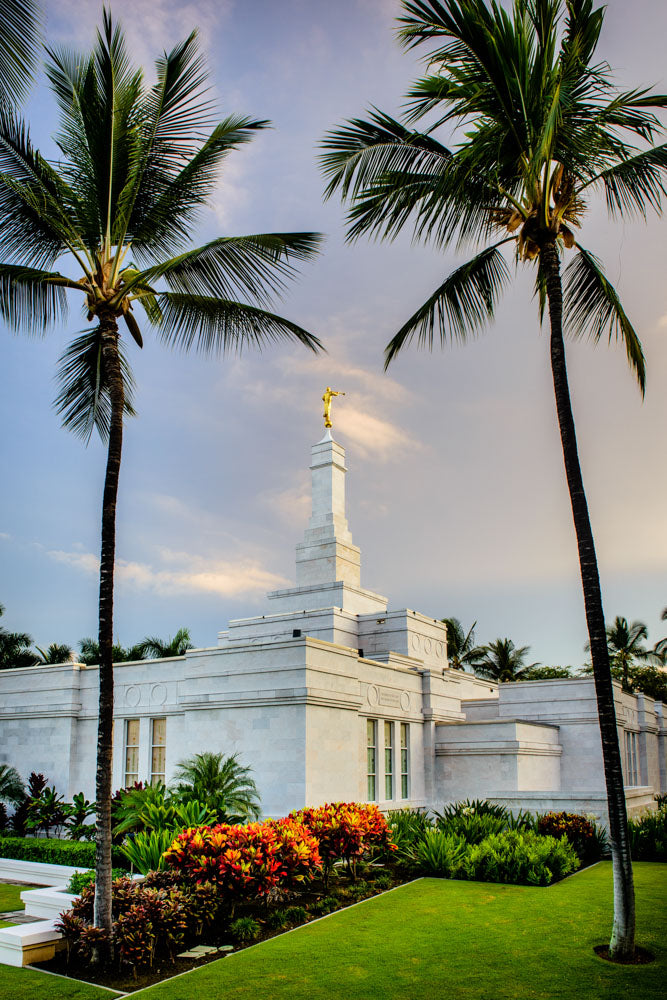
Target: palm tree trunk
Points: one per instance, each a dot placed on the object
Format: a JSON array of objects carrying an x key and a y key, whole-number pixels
[
  {"x": 623, "y": 933},
  {"x": 102, "y": 915}
]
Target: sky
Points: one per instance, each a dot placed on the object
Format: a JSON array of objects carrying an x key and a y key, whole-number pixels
[{"x": 456, "y": 488}]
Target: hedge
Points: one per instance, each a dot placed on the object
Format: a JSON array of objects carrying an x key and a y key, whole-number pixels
[{"x": 51, "y": 851}]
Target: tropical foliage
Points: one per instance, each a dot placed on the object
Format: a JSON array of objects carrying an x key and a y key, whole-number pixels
[
  {"x": 462, "y": 652},
  {"x": 154, "y": 648},
  {"x": 15, "y": 648},
  {"x": 501, "y": 661},
  {"x": 12, "y": 788},
  {"x": 539, "y": 127},
  {"x": 221, "y": 783},
  {"x": 346, "y": 831},
  {"x": 246, "y": 861}
]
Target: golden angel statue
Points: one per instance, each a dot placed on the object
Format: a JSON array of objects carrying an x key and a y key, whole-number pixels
[{"x": 326, "y": 399}]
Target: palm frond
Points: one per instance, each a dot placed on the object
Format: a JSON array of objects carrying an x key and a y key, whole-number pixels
[
  {"x": 35, "y": 228},
  {"x": 592, "y": 307},
  {"x": 32, "y": 299},
  {"x": 363, "y": 152},
  {"x": 171, "y": 205},
  {"x": 83, "y": 401},
  {"x": 213, "y": 325},
  {"x": 460, "y": 307},
  {"x": 19, "y": 38},
  {"x": 257, "y": 266},
  {"x": 634, "y": 183}
]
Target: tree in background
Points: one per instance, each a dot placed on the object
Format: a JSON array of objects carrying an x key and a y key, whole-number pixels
[
  {"x": 15, "y": 648},
  {"x": 626, "y": 647},
  {"x": 221, "y": 783},
  {"x": 90, "y": 652},
  {"x": 546, "y": 673},
  {"x": 502, "y": 662},
  {"x": 153, "y": 648},
  {"x": 55, "y": 653},
  {"x": 119, "y": 208},
  {"x": 461, "y": 649},
  {"x": 540, "y": 128},
  {"x": 12, "y": 788}
]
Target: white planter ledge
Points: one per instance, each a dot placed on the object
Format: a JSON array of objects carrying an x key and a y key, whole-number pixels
[
  {"x": 28, "y": 943},
  {"x": 47, "y": 904},
  {"x": 37, "y": 872}
]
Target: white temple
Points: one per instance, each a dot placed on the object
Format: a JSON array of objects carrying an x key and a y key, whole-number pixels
[{"x": 328, "y": 696}]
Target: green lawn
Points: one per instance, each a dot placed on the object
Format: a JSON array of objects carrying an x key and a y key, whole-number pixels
[
  {"x": 10, "y": 896},
  {"x": 467, "y": 940},
  {"x": 431, "y": 939}
]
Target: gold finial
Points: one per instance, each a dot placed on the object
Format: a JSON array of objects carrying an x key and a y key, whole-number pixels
[{"x": 326, "y": 399}]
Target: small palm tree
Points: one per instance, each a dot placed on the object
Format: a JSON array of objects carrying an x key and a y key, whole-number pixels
[
  {"x": 90, "y": 652},
  {"x": 502, "y": 662},
  {"x": 154, "y": 648},
  {"x": 626, "y": 647},
  {"x": 539, "y": 128},
  {"x": 12, "y": 788},
  {"x": 221, "y": 783},
  {"x": 118, "y": 208},
  {"x": 461, "y": 649},
  {"x": 55, "y": 653},
  {"x": 15, "y": 648}
]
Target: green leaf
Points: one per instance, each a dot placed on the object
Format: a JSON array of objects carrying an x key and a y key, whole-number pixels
[
  {"x": 19, "y": 39},
  {"x": 213, "y": 325},
  {"x": 32, "y": 299},
  {"x": 460, "y": 307},
  {"x": 83, "y": 401},
  {"x": 592, "y": 307}
]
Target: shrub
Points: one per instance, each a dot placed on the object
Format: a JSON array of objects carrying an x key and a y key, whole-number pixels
[
  {"x": 407, "y": 827},
  {"x": 346, "y": 831},
  {"x": 79, "y": 880},
  {"x": 325, "y": 905},
  {"x": 383, "y": 881},
  {"x": 147, "y": 919},
  {"x": 296, "y": 915},
  {"x": 78, "y": 812},
  {"x": 145, "y": 850},
  {"x": 519, "y": 857},
  {"x": 52, "y": 851},
  {"x": 648, "y": 836},
  {"x": 580, "y": 832},
  {"x": 440, "y": 853},
  {"x": 476, "y": 819},
  {"x": 277, "y": 920},
  {"x": 244, "y": 929},
  {"x": 246, "y": 861}
]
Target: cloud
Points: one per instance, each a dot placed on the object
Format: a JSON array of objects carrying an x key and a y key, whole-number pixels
[
  {"x": 291, "y": 505},
  {"x": 150, "y": 26},
  {"x": 184, "y": 573},
  {"x": 373, "y": 437},
  {"x": 4, "y": 536}
]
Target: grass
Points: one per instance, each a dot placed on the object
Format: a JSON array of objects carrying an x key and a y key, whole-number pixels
[
  {"x": 10, "y": 896},
  {"x": 460, "y": 940},
  {"x": 432, "y": 938}
]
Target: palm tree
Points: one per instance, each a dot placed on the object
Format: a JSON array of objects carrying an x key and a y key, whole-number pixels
[
  {"x": 15, "y": 648},
  {"x": 19, "y": 34},
  {"x": 12, "y": 788},
  {"x": 461, "y": 649},
  {"x": 220, "y": 783},
  {"x": 626, "y": 646},
  {"x": 540, "y": 128},
  {"x": 502, "y": 662},
  {"x": 90, "y": 652},
  {"x": 55, "y": 653},
  {"x": 120, "y": 206},
  {"x": 155, "y": 648}
]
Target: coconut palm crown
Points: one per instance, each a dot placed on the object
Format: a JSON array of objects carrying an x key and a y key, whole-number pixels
[
  {"x": 118, "y": 209},
  {"x": 536, "y": 129}
]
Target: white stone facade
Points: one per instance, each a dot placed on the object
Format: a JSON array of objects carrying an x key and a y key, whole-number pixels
[{"x": 292, "y": 692}]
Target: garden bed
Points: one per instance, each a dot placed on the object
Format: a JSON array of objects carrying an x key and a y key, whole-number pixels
[{"x": 342, "y": 892}]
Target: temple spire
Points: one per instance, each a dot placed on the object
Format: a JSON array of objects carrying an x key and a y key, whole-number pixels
[{"x": 327, "y": 553}]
